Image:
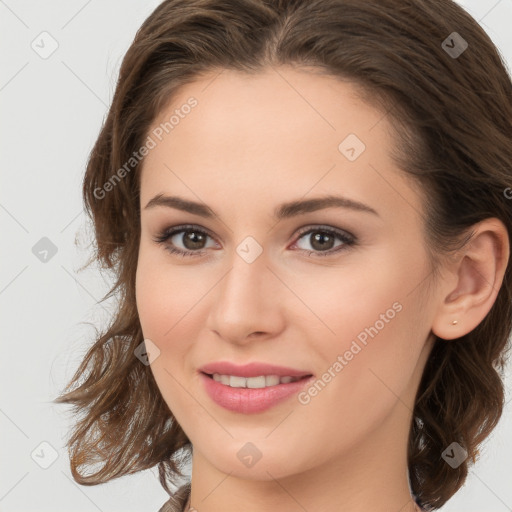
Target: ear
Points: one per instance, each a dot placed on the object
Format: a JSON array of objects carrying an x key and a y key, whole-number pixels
[{"x": 472, "y": 281}]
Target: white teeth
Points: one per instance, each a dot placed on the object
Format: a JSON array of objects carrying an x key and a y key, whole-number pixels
[
  {"x": 270, "y": 380},
  {"x": 256, "y": 382},
  {"x": 237, "y": 382},
  {"x": 261, "y": 381}
]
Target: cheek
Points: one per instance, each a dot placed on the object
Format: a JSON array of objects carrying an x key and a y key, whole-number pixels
[
  {"x": 162, "y": 308},
  {"x": 375, "y": 334},
  {"x": 347, "y": 301},
  {"x": 165, "y": 295},
  {"x": 170, "y": 304}
]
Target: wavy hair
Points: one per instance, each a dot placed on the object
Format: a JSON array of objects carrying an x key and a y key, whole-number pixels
[{"x": 451, "y": 118}]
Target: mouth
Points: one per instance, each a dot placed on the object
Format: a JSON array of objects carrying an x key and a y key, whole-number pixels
[
  {"x": 257, "y": 382},
  {"x": 254, "y": 394}
]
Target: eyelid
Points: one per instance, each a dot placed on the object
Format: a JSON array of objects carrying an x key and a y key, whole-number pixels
[
  {"x": 322, "y": 227},
  {"x": 182, "y": 227},
  {"x": 170, "y": 231}
]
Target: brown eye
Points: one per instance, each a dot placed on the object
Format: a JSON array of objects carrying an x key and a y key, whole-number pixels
[
  {"x": 192, "y": 240},
  {"x": 323, "y": 241}
]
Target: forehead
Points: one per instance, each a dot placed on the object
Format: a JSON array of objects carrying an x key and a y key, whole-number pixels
[
  {"x": 292, "y": 103},
  {"x": 281, "y": 131}
]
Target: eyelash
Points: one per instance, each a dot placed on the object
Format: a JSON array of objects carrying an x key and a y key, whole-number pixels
[{"x": 347, "y": 239}]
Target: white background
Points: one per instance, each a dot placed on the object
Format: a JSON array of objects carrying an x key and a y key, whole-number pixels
[{"x": 51, "y": 113}]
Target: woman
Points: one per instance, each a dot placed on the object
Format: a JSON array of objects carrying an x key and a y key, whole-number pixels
[{"x": 305, "y": 206}]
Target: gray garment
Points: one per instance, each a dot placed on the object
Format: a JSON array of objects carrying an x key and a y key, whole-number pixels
[{"x": 177, "y": 501}]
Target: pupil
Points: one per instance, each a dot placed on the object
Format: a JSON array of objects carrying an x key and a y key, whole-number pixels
[
  {"x": 322, "y": 237},
  {"x": 196, "y": 239}
]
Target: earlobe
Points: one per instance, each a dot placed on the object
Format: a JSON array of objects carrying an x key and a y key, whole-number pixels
[{"x": 467, "y": 296}]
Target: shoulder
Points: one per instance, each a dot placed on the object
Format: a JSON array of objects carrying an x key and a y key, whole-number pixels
[{"x": 177, "y": 501}]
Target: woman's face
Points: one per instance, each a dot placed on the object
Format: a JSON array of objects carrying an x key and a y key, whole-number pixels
[{"x": 337, "y": 292}]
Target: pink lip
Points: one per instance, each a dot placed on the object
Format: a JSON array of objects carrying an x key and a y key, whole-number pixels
[
  {"x": 251, "y": 370},
  {"x": 249, "y": 401}
]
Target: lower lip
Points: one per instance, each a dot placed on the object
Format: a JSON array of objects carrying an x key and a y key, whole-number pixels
[{"x": 249, "y": 401}]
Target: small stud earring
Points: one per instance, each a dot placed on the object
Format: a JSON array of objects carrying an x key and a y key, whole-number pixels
[{"x": 454, "y": 322}]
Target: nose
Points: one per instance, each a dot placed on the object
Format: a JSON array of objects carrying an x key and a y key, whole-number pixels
[{"x": 248, "y": 302}]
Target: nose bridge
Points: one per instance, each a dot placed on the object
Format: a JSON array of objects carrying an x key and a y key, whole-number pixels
[
  {"x": 246, "y": 299},
  {"x": 244, "y": 285}
]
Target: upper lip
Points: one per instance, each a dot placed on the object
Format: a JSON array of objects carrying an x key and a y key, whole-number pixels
[{"x": 254, "y": 369}]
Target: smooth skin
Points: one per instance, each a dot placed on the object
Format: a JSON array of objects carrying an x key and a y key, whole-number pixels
[{"x": 251, "y": 144}]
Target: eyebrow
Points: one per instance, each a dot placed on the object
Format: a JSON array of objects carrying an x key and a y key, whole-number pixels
[{"x": 284, "y": 211}]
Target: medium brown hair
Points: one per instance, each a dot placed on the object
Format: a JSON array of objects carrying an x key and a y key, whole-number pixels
[{"x": 452, "y": 121}]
